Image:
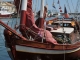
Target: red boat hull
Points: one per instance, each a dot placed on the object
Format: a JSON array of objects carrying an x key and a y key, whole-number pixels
[
  {"x": 31, "y": 56},
  {"x": 30, "y": 50},
  {"x": 5, "y": 16}
]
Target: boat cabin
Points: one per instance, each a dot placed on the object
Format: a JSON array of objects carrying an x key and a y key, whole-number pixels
[
  {"x": 63, "y": 22},
  {"x": 62, "y": 30}
]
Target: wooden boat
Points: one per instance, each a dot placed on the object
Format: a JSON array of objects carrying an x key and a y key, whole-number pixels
[{"x": 30, "y": 45}]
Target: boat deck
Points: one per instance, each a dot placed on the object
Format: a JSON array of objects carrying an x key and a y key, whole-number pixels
[
  {"x": 64, "y": 31},
  {"x": 71, "y": 36}
]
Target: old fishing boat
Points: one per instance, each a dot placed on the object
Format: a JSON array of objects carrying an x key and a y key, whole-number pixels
[{"x": 59, "y": 39}]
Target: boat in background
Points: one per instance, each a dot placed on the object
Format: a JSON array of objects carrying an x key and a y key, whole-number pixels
[
  {"x": 4, "y": 13},
  {"x": 59, "y": 40},
  {"x": 6, "y": 9}
]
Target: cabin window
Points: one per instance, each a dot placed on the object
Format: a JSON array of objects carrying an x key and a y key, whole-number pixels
[
  {"x": 65, "y": 25},
  {"x": 61, "y": 24}
]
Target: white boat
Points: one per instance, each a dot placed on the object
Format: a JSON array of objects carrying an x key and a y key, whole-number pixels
[{"x": 6, "y": 9}]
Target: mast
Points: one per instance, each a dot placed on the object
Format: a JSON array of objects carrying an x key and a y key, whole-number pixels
[
  {"x": 22, "y": 4},
  {"x": 23, "y": 12},
  {"x": 42, "y": 9},
  {"x": 23, "y": 15},
  {"x": 41, "y": 25}
]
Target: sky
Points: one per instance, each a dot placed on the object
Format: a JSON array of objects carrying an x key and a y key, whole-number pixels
[{"x": 70, "y": 5}]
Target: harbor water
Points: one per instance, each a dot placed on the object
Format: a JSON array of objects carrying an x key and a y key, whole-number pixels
[{"x": 3, "y": 51}]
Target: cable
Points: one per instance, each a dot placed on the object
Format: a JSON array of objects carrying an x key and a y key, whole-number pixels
[
  {"x": 72, "y": 4},
  {"x": 77, "y": 8},
  {"x": 68, "y": 5}
]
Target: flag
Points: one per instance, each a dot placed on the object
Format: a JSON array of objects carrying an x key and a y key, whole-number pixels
[
  {"x": 59, "y": 7},
  {"x": 66, "y": 15},
  {"x": 53, "y": 5}
]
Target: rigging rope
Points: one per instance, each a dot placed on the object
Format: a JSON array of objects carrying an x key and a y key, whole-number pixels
[
  {"x": 18, "y": 14},
  {"x": 59, "y": 6},
  {"x": 68, "y": 5},
  {"x": 35, "y": 8},
  {"x": 77, "y": 8},
  {"x": 72, "y": 4},
  {"x": 53, "y": 4},
  {"x": 46, "y": 2}
]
